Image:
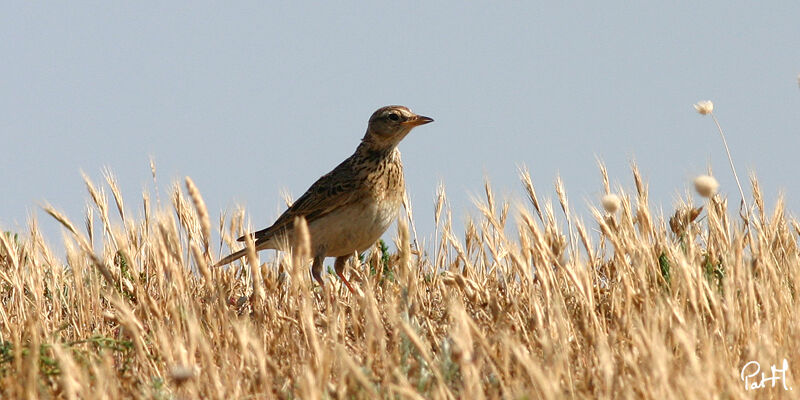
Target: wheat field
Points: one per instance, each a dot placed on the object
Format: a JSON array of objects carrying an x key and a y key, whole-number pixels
[{"x": 529, "y": 302}]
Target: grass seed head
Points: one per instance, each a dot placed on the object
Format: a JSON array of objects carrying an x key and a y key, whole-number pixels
[
  {"x": 181, "y": 373},
  {"x": 704, "y": 107},
  {"x": 706, "y": 185},
  {"x": 611, "y": 203}
]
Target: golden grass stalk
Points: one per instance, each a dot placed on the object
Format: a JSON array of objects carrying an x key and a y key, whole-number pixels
[{"x": 650, "y": 306}]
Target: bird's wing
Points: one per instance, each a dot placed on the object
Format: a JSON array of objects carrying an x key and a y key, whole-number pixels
[{"x": 330, "y": 192}]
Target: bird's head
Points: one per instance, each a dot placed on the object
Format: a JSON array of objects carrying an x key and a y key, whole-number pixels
[{"x": 389, "y": 125}]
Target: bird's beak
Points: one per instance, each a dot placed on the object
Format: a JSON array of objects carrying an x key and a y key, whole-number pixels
[{"x": 418, "y": 120}]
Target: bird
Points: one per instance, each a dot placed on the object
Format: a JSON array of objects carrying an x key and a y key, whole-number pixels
[{"x": 349, "y": 208}]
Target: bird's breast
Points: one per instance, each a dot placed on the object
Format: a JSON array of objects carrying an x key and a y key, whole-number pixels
[
  {"x": 353, "y": 229},
  {"x": 386, "y": 178},
  {"x": 359, "y": 225}
]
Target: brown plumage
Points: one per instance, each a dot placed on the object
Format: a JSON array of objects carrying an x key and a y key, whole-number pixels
[{"x": 349, "y": 208}]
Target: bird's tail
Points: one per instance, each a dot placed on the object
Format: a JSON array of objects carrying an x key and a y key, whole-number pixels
[{"x": 231, "y": 258}]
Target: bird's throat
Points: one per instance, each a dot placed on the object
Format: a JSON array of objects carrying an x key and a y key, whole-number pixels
[{"x": 375, "y": 153}]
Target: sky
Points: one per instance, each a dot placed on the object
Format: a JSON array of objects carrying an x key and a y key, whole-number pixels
[{"x": 252, "y": 99}]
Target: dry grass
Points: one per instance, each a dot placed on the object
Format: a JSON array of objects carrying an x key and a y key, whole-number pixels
[{"x": 631, "y": 305}]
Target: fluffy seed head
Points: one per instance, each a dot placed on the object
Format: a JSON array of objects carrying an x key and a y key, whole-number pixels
[
  {"x": 706, "y": 185},
  {"x": 704, "y": 107},
  {"x": 611, "y": 203},
  {"x": 181, "y": 374}
]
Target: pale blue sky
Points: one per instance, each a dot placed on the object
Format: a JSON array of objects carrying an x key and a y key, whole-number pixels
[{"x": 251, "y": 98}]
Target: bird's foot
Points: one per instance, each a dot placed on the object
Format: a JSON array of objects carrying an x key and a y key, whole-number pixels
[{"x": 346, "y": 283}]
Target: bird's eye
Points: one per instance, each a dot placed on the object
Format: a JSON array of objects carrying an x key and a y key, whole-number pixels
[{"x": 394, "y": 117}]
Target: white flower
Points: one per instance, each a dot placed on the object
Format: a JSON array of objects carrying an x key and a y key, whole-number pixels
[
  {"x": 704, "y": 107},
  {"x": 706, "y": 185}
]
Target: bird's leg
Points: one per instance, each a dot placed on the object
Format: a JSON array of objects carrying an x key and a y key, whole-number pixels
[
  {"x": 316, "y": 269},
  {"x": 339, "y": 266}
]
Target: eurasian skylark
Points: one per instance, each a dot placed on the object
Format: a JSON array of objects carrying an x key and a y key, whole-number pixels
[{"x": 349, "y": 208}]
